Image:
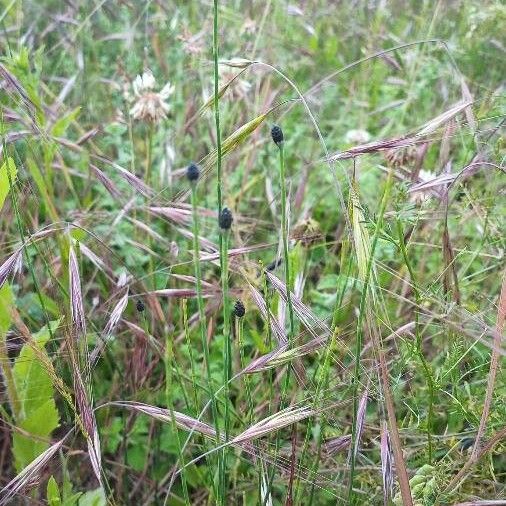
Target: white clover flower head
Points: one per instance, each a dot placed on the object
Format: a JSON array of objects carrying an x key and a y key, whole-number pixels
[
  {"x": 150, "y": 106},
  {"x": 357, "y": 136},
  {"x": 143, "y": 83}
]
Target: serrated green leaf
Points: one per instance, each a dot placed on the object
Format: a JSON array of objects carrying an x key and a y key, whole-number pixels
[{"x": 38, "y": 415}]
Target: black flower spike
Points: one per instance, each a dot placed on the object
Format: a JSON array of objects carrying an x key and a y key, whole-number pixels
[
  {"x": 192, "y": 172},
  {"x": 140, "y": 306},
  {"x": 239, "y": 309},
  {"x": 277, "y": 134},
  {"x": 225, "y": 220}
]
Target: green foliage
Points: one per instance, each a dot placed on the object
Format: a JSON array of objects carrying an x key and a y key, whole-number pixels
[
  {"x": 93, "y": 498},
  {"x": 8, "y": 174},
  {"x": 6, "y": 301},
  {"x": 66, "y": 106},
  {"x": 53, "y": 493},
  {"x": 38, "y": 413}
]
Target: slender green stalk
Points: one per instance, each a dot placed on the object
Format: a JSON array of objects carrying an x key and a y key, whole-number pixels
[
  {"x": 202, "y": 316},
  {"x": 169, "y": 400},
  {"x": 226, "y": 347},
  {"x": 184, "y": 310},
  {"x": 360, "y": 330},
  {"x": 226, "y": 327},
  {"x": 286, "y": 258},
  {"x": 284, "y": 225},
  {"x": 216, "y": 106},
  {"x": 149, "y": 153},
  {"x": 321, "y": 386},
  {"x": 219, "y": 185},
  {"x": 246, "y": 379},
  {"x": 425, "y": 365}
]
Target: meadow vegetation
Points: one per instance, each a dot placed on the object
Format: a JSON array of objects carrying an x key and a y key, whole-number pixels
[{"x": 252, "y": 252}]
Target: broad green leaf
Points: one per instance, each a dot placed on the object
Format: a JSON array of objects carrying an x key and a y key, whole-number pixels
[
  {"x": 93, "y": 498},
  {"x": 38, "y": 414},
  {"x": 53, "y": 493},
  {"x": 39, "y": 424},
  {"x": 8, "y": 167}
]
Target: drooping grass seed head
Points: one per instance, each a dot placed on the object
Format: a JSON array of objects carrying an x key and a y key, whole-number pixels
[
  {"x": 239, "y": 309},
  {"x": 140, "y": 306},
  {"x": 277, "y": 134},
  {"x": 193, "y": 173},
  {"x": 225, "y": 219}
]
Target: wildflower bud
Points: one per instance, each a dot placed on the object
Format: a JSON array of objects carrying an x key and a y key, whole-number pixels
[
  {"x": 140, "y": 306},
  {"x": 277, "y": 134},
  {"x": 225, "y": 219},
  {"x": 192, "y": 172},
  {"x": 239, "y": 310}
]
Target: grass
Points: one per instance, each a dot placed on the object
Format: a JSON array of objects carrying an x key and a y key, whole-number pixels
[{"x": 367, "y": 250}]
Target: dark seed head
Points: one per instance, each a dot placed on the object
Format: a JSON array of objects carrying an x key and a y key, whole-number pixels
[
  {"x": 140, "y": 306},
  {"x": 277, "y": 134},
  {"x": 239, "y": 309},
  {"x": 225, "y": 220},
  {"x": 192, "y": 172}
]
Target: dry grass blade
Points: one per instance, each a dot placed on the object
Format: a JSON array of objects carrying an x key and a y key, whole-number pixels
[
  {"x": 29, "y": 474},
  {"x": 106, "y": 181},
  {"x": 89, "y": 422},
  {"x": 277, "y": 329},
  {"x": 111, "y": 325},
  {"x": 360, "y": 420},
  {"x": 183, "y": 292},
  {"x": 76, "y": 300},
  {"x": 443, "y": 118},
  {"x": 283, "y": 355},
  {"x": 442, "y": 180},
  {"x": 494, "y": 365},
  {"x": 233, "y": 252},
  {"x": 273, "y": 423},
  {"x": 265, "y": 426},
  {"x": 93, "y": 258},
  {"x": 130, "y": 178},
  {"x": 338, "y": 444},
  {"x": 386, "y": 464},
  {"x": 116, "y": 314},
  {"x": 183, "y": 421},
  {"x": 400, "y": 465},
  {"x": 8, "y": 266},
  {"x": 268, "y": 360},
  {"x": 303, "y": 312},
  {"x": 174, "y": 214},
  {"x": 405, "y": 140},
  {"x": 13, "y": 83},
  {"x": 479, "y": 502}
]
